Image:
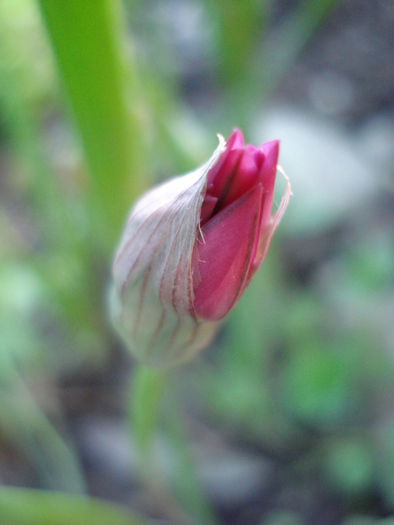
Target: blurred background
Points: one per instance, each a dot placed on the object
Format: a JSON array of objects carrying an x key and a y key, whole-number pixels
[{"x": 289, "y": 415}]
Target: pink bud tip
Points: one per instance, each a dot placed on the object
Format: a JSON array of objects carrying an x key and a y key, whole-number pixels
[{"x": 227, "y": 251}]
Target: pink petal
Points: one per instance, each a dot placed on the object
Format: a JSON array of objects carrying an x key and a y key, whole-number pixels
[
  {"x": 225, "y": 254},
  {"x": 267, "y": 231},
  {"x": 240, "y": 180},
  {"x": 224, "y": 174},
  {"x": 207, "y": 208},
  {"x": 235, "y": 140},
  {"x": 267, "y": 176}
]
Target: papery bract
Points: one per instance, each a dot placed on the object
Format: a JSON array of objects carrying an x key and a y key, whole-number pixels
[{"x": 190, "y": 247}]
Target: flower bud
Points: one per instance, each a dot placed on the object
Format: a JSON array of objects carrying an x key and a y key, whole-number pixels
[{"x": 189, "y": 249}]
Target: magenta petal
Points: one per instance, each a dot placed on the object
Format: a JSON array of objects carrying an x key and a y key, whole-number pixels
[
  {"x": 267, "y": 176},
  {"x": 224, "y": 175},
  {"x": 225, "y": 255},
  {"x": 207, "y": 208},
  {"x": 235, "y": 140},
  {"x": 243, "y": 178}
]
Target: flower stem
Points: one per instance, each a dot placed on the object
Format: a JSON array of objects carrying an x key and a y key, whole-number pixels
[
  {"x": 146, "y": 395},
  {"x": 148, "y": 391}
]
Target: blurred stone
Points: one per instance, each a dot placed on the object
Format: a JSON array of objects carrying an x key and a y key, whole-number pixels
[
  {"x": 355, "y": 45},
  {"x": 308, "y": 499},
  {"x": 106, "y": 447},
  {"x": 230, "y": 479},
  {"x": 376, "y": 142},
  {"x": 187, "y": 35},
  {"x": 329, "y": 175},
  {"x": 235, "y": 478},
  {"x": 331, "y": 93}
]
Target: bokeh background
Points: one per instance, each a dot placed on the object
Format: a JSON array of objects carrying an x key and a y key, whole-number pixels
[{"x": 288, "y": 418}]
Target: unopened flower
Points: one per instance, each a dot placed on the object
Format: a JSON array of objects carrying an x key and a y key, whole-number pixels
[{"x": 189, "y": 249}]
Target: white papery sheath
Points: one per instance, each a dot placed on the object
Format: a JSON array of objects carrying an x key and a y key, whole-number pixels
[{"x": 152, "y": 300}]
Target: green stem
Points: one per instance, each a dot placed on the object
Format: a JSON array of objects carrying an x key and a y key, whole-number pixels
[
  {"x": 146, "y": 397},
  {"x": 89, "y": 45},
  {"x": 185, "y": 482}
]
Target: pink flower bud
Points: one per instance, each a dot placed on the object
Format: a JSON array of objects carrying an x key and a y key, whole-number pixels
[{"x": 189, "y": 249}]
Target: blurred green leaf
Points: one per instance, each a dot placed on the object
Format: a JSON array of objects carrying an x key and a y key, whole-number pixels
[
  {"x": 25, "y": 426},
  {"x": 21, "y": 294},
  {"x": 23, "y": 119},
  {"x": 349, "y": 466},
  {"x": 33, "y": 507},
  {"x": 370, "y": 264},
  {"x": 360, "y": 520},
  {"x": 283, "y": 517},
  {"x": 55, "y": 218},
  {"x": 241, "y": 26},
  {"x": 88, "y": 39},
  {"x": 25, "y": 54},
  {"x": 318, "y": 383}
]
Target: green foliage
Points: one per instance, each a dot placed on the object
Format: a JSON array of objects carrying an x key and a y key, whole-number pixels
[
  {"x": 349, "y": 465},
  {"x": 282, "y": 517},
  {"x": 318, "y": 383},
  {"x": 33, "y": 507},
  {"x": 88, "y": 44}
]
